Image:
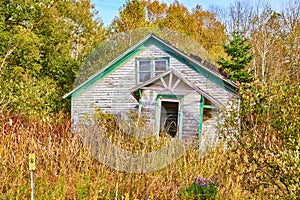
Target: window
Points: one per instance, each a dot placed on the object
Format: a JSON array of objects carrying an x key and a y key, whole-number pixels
[
  {"x": 208, "y": 110},
  {"x": 150, "y": 67},
  {"x": 144, "y": 70}
]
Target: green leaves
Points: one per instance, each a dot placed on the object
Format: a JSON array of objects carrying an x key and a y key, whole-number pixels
[
  {"x": 238, "y": 52},
  {"x": 269, "y": 138},
  {"x": 42, "y": 45},
  {"x": 201, "y": 189}
]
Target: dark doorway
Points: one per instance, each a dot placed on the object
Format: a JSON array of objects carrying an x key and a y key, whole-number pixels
[{"x": 169, "y": 117}]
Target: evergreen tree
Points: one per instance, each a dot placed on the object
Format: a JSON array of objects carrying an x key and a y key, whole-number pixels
[{"x": 238, "y": 52}]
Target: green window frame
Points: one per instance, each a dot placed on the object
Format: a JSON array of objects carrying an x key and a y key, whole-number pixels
[
  {"x": 204, "y": 104},
  {"x": 147, "y": 68}
]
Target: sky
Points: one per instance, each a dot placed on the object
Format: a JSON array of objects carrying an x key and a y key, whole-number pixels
[{"x": 109, "y": 9}]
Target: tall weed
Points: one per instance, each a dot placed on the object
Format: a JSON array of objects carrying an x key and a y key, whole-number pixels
[{"x": 65, "y": 169}]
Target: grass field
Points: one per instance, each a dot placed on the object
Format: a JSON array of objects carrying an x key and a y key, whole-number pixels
[{"x": 65, "y": 169}]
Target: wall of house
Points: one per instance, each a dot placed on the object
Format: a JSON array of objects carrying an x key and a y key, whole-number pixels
[
  {"x": 191, "y": 105},
  {"x": 112, "y": 95},
  {"x": 191, "y": 113},
  {"x": 208, "y": 138}
]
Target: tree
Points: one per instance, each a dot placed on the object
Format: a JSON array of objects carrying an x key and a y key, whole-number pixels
[
  {"x": 199, "y": 25},
  {"x": 266, "y": 45},
  {"x": 131, "y": 16},
  {"x": 238, "y": 52},
  {"x": 290, "y": 38},
  {"x": 178, "y": 18},
  {"x": 264, "y": 153},
  {"x": 155, "y": 12},
  {"x": 207, "y": 31},
  {"x": 41, "y": 47}
]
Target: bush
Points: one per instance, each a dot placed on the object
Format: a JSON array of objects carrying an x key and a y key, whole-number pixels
[
  {"x": 264, "y": 153},
  {"x": 201, "y": 189}
]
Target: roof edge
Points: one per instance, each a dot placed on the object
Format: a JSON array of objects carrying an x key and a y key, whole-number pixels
[
  {"x": 181, "y": 77},
  {"x": 109, "y": 64},
  {"x": 141, "y": 42}
]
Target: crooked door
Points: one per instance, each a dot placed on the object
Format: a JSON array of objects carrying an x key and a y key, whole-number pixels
[{"x": 169, "y": 115}]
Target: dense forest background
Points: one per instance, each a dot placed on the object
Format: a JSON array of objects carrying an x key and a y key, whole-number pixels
[{"x": 44, "y": 43}]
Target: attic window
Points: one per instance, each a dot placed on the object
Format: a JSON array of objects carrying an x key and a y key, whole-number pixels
[{"x": 148, "y": 68}]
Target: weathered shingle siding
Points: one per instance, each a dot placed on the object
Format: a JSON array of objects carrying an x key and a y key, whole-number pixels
[
  {"x": 149, "y": 106},
  {"x": 191, "y": 115},
  {"x": 109, "y": 94},
  {"x": 202, "y": 82},
  {"x": 209, "y": 138},
  {"x": 190, "y": 106},
  {"x": 112, "y": 94}
]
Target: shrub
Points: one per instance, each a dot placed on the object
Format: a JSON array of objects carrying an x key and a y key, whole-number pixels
[
  {"x": 201, "y": 189},
  {"x": 264, "y": 153}
]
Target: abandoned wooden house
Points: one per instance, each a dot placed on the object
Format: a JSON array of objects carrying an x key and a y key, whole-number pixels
[{"x": 177, "y": 92}]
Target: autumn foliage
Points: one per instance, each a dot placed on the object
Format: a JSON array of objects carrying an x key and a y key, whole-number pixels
[{"x": 42, "y": 46}]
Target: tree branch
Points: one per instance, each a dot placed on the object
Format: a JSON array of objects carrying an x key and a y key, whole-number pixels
[{"x": 9, "y": 52}]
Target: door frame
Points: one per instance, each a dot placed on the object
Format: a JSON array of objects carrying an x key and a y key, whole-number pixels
[{"x": 169, "y": 98}]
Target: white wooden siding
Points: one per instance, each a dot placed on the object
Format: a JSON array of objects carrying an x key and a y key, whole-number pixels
[{"x": 112, "y": 95}]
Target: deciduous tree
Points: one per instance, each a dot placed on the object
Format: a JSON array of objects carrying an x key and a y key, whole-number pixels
[{"x": 41, "y": 46}]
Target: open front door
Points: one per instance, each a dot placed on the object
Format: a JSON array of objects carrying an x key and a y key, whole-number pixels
[
  {"x": 169, "y": 119},
  {"x": 169, "y": 114}
]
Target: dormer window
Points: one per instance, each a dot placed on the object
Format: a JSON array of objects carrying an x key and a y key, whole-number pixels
[{"x": 148, "y": 68}]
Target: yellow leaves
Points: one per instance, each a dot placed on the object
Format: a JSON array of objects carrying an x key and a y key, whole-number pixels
[
  {"x": 151, "y": 196},
  {"x": 246, "y": 158},
  {"x": 201, "y": 26},
  {"x": 126, "y": 196},
  {"x": 269, "y": 139},
  {"x": 156, "y": 10},
  {"x": 18, "y": 71}
]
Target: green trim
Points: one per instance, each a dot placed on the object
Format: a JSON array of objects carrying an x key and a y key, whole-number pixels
[
  {"x": 200, "y": 121},
  {"x": 136, "y": 71},
  {"x": 151, "y": 39},
  {"x": 169, "y": 96},
  {"x": 180, "y": 118},
  {"x": 196, "y": 66},
  {"x": 158, "y": 111},
  {"x": 201, "y": 113},
  {"x": 157, "y": 116},
  {"x": 107, "y": 71},
  {"x": 203, "y": 71}
]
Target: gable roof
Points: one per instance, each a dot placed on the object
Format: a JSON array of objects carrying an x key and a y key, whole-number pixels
[
  {"x": 179, "y": 76},
  {"x": 194, "y": 64}
]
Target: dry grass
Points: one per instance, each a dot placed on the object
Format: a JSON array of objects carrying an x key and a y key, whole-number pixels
[{"x": 66, "y": 170}]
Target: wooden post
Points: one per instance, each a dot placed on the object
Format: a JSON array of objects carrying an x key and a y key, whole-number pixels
[
  {"x": 32, "y": 168},
  {"x": 200, "y": 121},
  {"x": 32, "y": 185},
  {"x": 140, "y": 101}
]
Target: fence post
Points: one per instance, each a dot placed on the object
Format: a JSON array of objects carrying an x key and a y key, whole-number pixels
[{"x": 32, "y": 168}]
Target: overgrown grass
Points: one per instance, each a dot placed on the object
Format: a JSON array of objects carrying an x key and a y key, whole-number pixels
[{"x": 65, "y": 169}]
